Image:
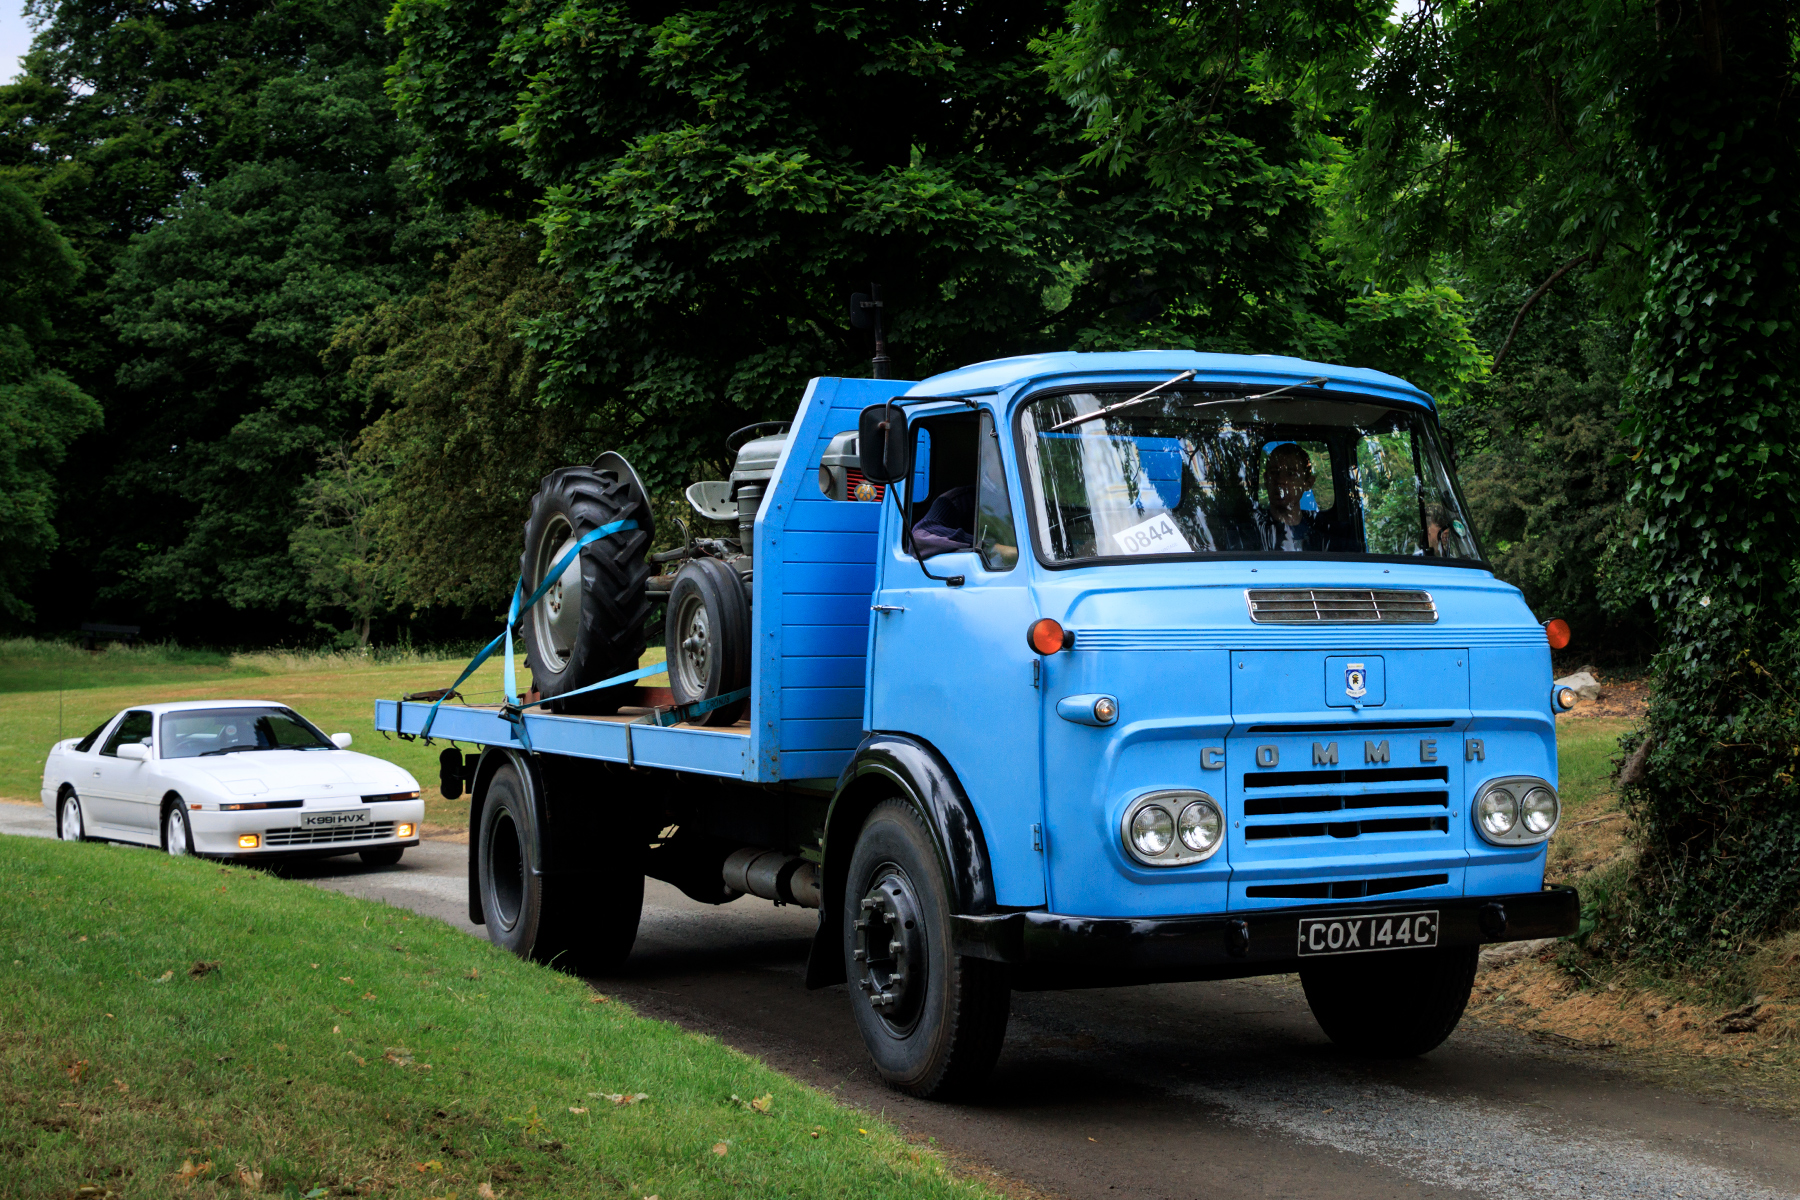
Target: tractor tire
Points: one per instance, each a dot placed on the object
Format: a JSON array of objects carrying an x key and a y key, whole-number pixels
[
  {"x": 591, "y": 624},
  {"x": 708, "y": 638}
]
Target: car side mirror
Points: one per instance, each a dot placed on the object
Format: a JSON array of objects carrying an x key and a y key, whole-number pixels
[
  {"x": 341, "y": 740},
  {"x": 136, "y": 751},
  {"x": 881, "y": 443}
]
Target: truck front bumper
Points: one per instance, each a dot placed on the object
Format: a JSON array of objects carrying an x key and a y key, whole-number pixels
[{"x": 1052, "y": 951}]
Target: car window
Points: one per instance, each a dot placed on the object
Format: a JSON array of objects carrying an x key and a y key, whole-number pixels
[
  {"x": 135, "y": 727},
  {"x": 87, "y": 743},
  {"x": 197, "y": 732}
]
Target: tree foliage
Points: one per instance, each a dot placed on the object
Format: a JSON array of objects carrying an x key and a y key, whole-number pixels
[
  {"x": 41, "y": 411},
  {"x": 229, "y": 174},
  {"x": 713, "y": 182}
]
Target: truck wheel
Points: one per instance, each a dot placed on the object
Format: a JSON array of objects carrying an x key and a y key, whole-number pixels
[
  {"x": 708, "y": 636},
  {"x": 590, "y": 625},
  {"x": 584, "y": 926},
  {"x": 933, "y": 1022},
  {"x": 1395, "y": 1005}
]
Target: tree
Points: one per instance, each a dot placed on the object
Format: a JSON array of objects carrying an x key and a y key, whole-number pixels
[
  {"x": 230, "y": 174},
  {"x": 337, "y": 546},
  {"x": 1655, "y": 142},
  {"x": 712, "y": 183},
  {"x": 462, "y": 438},
  {"x": 41, "y": 411}
]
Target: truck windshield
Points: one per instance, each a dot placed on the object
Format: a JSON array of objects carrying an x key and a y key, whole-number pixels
[{"x": 1210, "y": 473}]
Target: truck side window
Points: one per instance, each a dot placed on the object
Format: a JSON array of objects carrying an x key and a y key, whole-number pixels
[
  {"x": 995, "y": 535},
  {"x": 942, "y": 499}
]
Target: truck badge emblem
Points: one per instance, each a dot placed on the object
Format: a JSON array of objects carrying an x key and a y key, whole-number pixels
[
  {"x": 865, "y": 491},
  {"x": 1356, "y": 681}
]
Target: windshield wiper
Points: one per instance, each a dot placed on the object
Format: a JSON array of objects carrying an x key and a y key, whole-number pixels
[
  {"x": 1316, "y": 381},
  {"x": 1113, "y": 408}
]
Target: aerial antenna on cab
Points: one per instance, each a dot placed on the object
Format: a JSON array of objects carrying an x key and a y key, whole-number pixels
[{"x": 865, "y": 311}]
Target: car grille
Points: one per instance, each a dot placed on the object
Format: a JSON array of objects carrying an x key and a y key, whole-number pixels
[
  {"x": 318, "y": 837},
  {"x": 1362, "y": 606}
]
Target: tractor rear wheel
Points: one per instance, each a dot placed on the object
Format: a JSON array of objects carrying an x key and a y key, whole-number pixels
[{"x": 590, "y": 624}]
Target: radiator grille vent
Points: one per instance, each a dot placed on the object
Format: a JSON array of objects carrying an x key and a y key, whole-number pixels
[
  {"x": 1358, "y": 606},
  {"x": 320, "y": 837}
]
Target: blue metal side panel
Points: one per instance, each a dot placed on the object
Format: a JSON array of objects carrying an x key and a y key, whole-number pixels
[
  {"x": 1511, "y": 693},
  {"x": 815, "y": 572},
  {"x": 703, "y": 751}
]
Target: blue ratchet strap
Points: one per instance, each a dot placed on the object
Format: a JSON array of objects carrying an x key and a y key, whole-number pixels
[
  {"x": 510, "y": 710},
  {"x": 627, "y": 677}
]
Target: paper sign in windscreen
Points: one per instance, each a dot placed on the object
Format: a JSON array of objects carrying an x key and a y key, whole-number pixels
[{"x": 1158, "y": 535}]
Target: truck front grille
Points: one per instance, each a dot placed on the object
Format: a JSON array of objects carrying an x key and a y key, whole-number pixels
[
  {"x": 1361, "y": 606},
  {"x": 318, "y": 837}
]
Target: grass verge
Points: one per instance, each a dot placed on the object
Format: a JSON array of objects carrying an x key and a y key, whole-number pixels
[{"x": 177, "y": 1027}]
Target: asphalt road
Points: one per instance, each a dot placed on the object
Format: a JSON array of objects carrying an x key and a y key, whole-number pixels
[{"x": 1185, "y": 1090}]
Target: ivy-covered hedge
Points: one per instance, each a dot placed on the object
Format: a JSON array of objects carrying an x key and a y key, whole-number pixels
[{"x": 1712, "y": 784}]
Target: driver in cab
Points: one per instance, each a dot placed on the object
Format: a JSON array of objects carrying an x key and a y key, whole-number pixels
[{"x": 1287, "y": 477}]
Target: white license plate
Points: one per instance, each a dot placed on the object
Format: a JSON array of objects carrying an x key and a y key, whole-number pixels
[
  {"x": 1361, "y": 934},
  {"x": 332, "y": 820}
]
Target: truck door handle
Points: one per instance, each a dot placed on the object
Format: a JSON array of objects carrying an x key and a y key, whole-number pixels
[{"x": 880, "y": 608}]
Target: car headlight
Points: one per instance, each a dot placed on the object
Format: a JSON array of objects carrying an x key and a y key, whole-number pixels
[
  {"x": 1172, "y": 829},
  {"x": 1519, "y": 810}
]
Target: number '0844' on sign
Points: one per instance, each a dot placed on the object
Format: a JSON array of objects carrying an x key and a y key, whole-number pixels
[
  {"x": 1359, "y": 935},
  {"x": 1158, "y": 535}
]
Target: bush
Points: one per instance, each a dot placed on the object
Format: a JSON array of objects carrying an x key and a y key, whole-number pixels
[{"x": 1710, "y": 784}]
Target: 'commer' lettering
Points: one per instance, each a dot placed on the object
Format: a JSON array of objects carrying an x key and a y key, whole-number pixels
[
  {"x": 1473, "y": 749},
  {"x": 1325, "y": 755},
  {"x": 1375, "y": 752},
  {"x": 1427, "y": 749}
]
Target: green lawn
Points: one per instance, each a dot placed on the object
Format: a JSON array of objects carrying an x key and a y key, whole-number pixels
[
  {"x": 165, "y": 1018},
  {"x": 1584, "y": 753},
  {"x": 49, "y": 692}
]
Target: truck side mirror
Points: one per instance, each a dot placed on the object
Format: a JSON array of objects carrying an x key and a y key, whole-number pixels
[{"x": 881, "y": 443}]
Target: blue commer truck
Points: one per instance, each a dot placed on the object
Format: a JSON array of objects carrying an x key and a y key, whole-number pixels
[{"x": 1071, "y": 670}]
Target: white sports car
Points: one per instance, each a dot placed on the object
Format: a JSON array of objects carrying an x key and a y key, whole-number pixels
[{"x": 231, "y": 778}]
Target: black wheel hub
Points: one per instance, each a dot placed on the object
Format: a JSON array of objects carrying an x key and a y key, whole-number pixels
[{"x": 890, "y": 945}]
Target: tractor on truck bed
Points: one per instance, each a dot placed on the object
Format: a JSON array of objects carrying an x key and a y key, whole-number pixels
[{"x": 1073, "y": 670}]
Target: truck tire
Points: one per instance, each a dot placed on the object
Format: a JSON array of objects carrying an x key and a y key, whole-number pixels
[
  {"x": 574, "y": 640},
  {"x": 1399, "y": 1004},
  {"x": 582, "y": 926},
  {"x": 708, "y": 638},
  {"x": 933, "y": 1022}
]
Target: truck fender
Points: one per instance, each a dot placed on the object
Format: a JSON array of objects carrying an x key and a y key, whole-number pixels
[
  {"x": 492, "y": 759},
  {"x": 897, "y": 766}
]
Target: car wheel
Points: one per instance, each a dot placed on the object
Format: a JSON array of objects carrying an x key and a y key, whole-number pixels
[
  {"x": 933, "y": 1021},
  {"x": 381, "y": 856},
  {"x": 177, "y": 834},
  {"x": 69, "y": 825},
  {"x": 1395, "y": 1005}
]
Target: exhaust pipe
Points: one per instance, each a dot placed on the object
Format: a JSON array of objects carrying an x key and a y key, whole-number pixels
[{"x": 772, "y": 875}]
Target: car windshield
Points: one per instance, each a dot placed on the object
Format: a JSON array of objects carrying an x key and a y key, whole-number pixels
[
  {"x": 1211, "y": 473},
  {"x": 202, "y": 731}
]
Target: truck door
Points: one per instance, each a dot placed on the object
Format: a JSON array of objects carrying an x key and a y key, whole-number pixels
[{"x": 949, "y": 663}]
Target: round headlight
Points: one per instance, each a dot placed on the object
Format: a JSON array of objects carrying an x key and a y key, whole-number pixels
[
  {"x": 1151, "y": 830},
  {"x": 1497, "y": 811},
  {"x": 1538, "y": 810},
  {"x": 1199, "y": 826}
]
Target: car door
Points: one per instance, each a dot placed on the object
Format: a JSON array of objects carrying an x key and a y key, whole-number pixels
[{"x": 118, "y": 798}]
